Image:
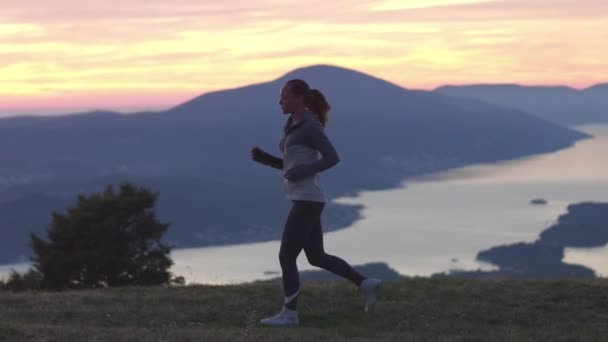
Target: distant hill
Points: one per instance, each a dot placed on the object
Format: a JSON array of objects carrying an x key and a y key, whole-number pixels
[
  {"x": 196, "y": 154},
  {"x": 584, "y": 225},
  {"x": 378, "y": 270},
  {"x": 563, "y": 105}
]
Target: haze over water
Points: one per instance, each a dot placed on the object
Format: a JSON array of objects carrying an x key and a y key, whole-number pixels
[{"x": 439, "y": 221}]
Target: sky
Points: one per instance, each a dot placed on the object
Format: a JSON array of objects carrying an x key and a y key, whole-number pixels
[{"x": 57, "y": 54}]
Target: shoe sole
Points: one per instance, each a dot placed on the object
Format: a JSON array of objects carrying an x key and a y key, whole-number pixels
[
  {"x": 279, "y": 325},
  {"x": 267, "y": 323}
]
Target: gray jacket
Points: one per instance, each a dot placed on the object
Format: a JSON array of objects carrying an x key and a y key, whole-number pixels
[{"x": 300, "y": 146}]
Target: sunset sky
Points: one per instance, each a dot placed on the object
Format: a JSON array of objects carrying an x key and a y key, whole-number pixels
[{"x": 127, "y": 53}]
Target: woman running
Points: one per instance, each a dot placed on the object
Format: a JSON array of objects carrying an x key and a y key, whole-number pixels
[{"x": 303, "y": 139}]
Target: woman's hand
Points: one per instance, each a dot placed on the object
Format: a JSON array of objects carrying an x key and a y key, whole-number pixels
[
  {"x": 256, "y": 153},
  {"x": 298, "y": 172}
]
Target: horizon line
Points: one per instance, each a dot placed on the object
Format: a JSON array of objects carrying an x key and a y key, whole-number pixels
[{"x": 126, "y": 108}]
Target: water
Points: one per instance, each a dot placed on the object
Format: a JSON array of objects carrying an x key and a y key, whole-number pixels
[{"x": 441, "y": 221}]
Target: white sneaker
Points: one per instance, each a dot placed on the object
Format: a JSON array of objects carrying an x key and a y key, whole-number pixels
[
  {"x": 285, "y": 317},
  {"x": 369, "y": 289}
]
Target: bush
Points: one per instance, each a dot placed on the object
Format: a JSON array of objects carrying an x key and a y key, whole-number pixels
[
  {"x": 107, "y": 239},
  {"x": 31, "y": 280}
]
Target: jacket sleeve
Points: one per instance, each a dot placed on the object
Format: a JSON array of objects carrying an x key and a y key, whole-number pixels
[
  {"x": 270, "y": 160},
  {"x": 318, "y": 140}
]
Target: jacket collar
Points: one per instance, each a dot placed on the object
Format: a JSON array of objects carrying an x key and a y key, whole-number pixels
[{"x": 287, "y": 129}]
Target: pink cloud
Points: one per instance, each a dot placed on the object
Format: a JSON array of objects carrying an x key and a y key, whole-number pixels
[{"x": 135, "y": 51}]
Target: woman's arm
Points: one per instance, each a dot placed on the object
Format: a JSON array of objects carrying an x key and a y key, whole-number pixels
[
  {"x": 265, "y": 158},
  {"x": 318, "y": 140},
  {"x": 272, "y": 161}
]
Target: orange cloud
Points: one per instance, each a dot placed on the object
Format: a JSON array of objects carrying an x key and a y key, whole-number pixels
[{"x": 53, "y": 51}]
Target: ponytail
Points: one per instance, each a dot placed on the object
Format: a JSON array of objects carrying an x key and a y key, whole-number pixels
[{"x": 314, "y": 100}]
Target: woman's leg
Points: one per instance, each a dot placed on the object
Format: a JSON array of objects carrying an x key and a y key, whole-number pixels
[
  {"x": 295, "y": 233},
  {"x": 316, "y": 254}
]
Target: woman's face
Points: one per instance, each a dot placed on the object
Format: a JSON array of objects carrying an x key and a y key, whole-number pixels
[{"x": 288, "y": 101}]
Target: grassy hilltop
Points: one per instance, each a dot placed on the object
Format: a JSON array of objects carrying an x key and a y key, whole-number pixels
[{"x": 409, "y": 309}]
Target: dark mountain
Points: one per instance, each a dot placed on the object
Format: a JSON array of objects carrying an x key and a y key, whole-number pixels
[
  {"x": 197, "y": 154},
  {"x": 598, "y": 88},
  {"x": 378, "y": 270},
  {"x": 562, "y": 105}
]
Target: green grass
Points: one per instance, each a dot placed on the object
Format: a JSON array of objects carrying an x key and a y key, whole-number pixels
[{"x": 416, "y": 309}]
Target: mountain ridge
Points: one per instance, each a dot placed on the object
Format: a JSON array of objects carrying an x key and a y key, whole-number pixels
[{"x": 382, "y": 132}]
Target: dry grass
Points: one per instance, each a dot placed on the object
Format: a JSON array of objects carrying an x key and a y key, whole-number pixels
[{"x": 417, "y": 309}]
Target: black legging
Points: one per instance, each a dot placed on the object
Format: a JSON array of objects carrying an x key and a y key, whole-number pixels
[{"x": 303, "y": 231}]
